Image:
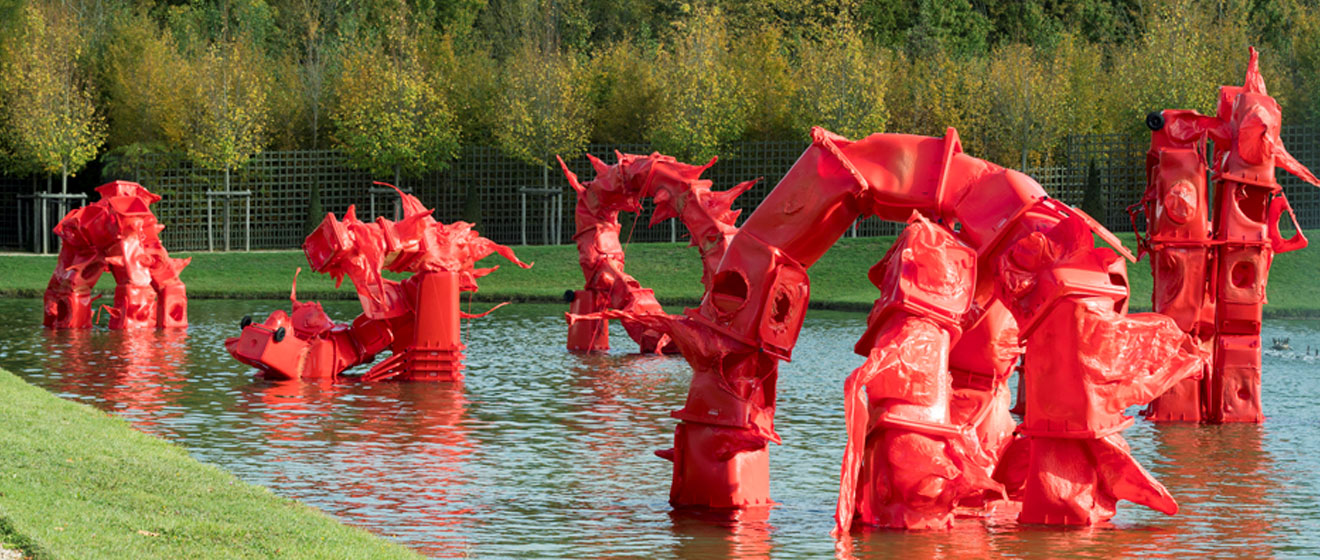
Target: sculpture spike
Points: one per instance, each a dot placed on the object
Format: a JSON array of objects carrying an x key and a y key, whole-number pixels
[{"x": 1254, "y": 82}]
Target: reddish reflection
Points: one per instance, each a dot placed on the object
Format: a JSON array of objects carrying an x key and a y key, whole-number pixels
[
  {"x": 1230, "y": 479},
  {"x": 358, "y": 431},
  {"x": 428, "y": 419},
  {"x": 620, "y": 406},
  {"x": 293, "y": 411},
  {"x": 136, "y": 373},
  {"x": 734, "y": 533}
]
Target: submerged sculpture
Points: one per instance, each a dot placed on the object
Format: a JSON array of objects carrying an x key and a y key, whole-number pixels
[
  {"x": 118, "y": 233},
  {"x": 1211, "y": 268},
  {"x": 987, "y": 263},
  {"x": 417, "y": 319},
  {"x": 679, "y": 192}
]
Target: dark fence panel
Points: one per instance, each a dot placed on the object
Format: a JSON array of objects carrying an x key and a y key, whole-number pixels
[
  {"x": 1303, "y": 142},
  {"x": 510, "y": 203}
]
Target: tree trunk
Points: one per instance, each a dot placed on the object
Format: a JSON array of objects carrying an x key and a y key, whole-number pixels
[{"x": 64, "y": 179}]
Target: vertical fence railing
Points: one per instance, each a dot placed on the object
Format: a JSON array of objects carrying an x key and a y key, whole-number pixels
[{"x": 486, "y": 187}]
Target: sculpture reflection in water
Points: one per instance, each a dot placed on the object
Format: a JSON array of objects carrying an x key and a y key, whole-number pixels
[
  {"x": 416, "y": 319},
  {"x": 679, "y": 192},
  {"x": 1236, "y": 486},
  {"x": 989, "y": 267},
  {"x": 118, "y": 233},
  {"x": 136, "y": 373},
  {"x": 1211, "y": 265},
  {"x": 745, "y": 533},
  {"x": 381, "y": 487}
]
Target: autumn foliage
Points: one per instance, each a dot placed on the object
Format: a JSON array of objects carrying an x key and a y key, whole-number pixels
[{"x": 400, "y": 85}]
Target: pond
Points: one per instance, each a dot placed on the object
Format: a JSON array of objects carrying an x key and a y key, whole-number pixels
[{"x": 543, "y": 453}]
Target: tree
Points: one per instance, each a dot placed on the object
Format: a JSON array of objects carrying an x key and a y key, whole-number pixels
[
  {"x": 624, "y": 92},
  {"x": 1185, "y": 53},
  {"x": 387, "y": 116},
  {"x": 1093, "y": 195},
  {"x": 316, "y": 23},
  {"x": 763, "y": 66},
  {"x": 841, "y": 86},
  {"x": 953, "y": 27},
  {"x": 704, "y": 106},
  {"x": 544, "y": 107},
  {"x": 469, "y": 79},
  {"x": 227, "y": 122},
  {"x": 1022, "y": 103},
  {"x": 931, "y": 93},
  {"x": 146, "y": 84},
  {"x": 50, "y": 121}
]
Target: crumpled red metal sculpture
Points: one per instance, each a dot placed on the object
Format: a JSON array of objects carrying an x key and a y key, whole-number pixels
[
  {"x": 417, "y": 319},
  {"x": 118, "y": 233},
  {"x": 679, "y": 192},
  {"x": 1211, "y": 268},
  {"x": 988, "y": 262}
]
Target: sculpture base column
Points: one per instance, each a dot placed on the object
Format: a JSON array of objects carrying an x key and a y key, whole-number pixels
[
  {"x": 719, "y": 467},
  {"x": 68, "y": 309},
  {"x": 172, "y": 307},
  {"x": 1063, "y": 486},
  {"x": 1182, "y": 403},
  {"x": 587, "y": 335},
  {"x": 1235, "y": 380},
  {"x": 135, "y": 307},
  {"x": 436, "y": 351}
]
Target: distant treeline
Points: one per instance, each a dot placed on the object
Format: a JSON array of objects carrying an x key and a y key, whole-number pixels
[{"x": 400, "y": 85}]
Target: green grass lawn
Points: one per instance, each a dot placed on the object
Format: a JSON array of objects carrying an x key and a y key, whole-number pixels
[
  {"x": 673, "y": 270},
  {"x": 78, "y": 483}
]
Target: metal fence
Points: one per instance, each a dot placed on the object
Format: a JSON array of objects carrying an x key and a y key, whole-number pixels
[{"x": 508, "y": 201}]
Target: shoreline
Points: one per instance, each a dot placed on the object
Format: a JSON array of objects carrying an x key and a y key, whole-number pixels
[
  {"x": 81, "y": 482},
  {"x": 672, "y": 270}
]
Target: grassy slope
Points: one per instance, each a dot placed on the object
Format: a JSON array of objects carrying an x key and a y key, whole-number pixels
[
  {"x": 672, "y": 270},
  {"x": 78, "y": 483}
]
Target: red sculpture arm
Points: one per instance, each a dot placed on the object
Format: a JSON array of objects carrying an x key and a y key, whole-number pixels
[
  {"x": 679, "y": 192},
  {"x": 417, "y": 318},
  {"x": 753, "y": 311},
  {"x": 908, "y": 459}
]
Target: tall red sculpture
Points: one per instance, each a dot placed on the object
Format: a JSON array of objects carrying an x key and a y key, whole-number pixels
[
  {"x": 679, "y": 192},
  {"x": 989, "y": 262},
  {"x": 118, "y": 233},
  {"x": 417, "y": 319},
  {"x": 1211, "y": 266}
]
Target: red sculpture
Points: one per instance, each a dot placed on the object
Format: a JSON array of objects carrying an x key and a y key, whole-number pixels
[
  {"x": 1210, "y": 272},
  {"x": 987, "y": 254},
  {"x": 417, "y": 319},
  {"x": 120, "y": 233},
  {"x": 679, "y": 192}
]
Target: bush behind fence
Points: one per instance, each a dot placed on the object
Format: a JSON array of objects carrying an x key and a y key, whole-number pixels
[{"x": 487, "y": 187}]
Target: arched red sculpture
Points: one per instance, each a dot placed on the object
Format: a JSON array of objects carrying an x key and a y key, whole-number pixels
[
  {"x": 1211, "y": 266},
  {"x": 987, "y": 253},
  {"x": 417, "y": 319},
  {"x": 679, "y": 192},
  {"x": 118, "y": 233}
]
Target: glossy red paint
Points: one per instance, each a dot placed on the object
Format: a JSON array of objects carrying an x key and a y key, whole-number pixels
[
  {"x": 988, "y": 254},
  {"x": 118, "y": 233},
  {"x": 416, "y": 319},
  {"x": 679, "y": 192},
  {"x": 1211, "y": 264}
]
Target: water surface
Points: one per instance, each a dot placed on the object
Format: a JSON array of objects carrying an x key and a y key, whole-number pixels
[{"x": 543, "y": 453}]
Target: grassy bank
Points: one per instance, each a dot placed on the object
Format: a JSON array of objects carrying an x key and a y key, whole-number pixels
[
  {"x": 673, "y": 270},
  {"x": 78, "y": 483}
]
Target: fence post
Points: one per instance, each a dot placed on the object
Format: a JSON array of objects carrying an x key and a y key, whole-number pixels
[{"x": 210, "y": 230}]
